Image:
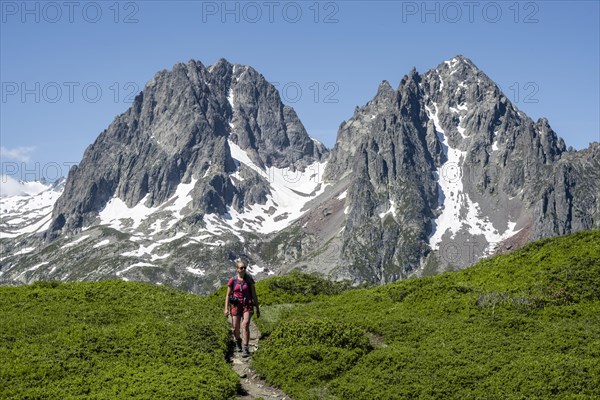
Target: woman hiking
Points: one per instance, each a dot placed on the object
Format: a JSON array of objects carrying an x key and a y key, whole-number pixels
[{"x": 240, "y": 302}]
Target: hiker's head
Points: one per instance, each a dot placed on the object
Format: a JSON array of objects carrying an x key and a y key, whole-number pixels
[{"x": 240, "y": 267}]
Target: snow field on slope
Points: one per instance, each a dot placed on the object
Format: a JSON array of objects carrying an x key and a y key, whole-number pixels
[
  {"x": 290, "y": 191},
  {"x": 454, "y": 201}
]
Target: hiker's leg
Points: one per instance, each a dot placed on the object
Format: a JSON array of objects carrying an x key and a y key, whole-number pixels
[
  {"x": 236, "y": 325},
  {"x": 246, "y": 323}
]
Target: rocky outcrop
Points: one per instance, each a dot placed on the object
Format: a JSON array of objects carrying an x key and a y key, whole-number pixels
[
  {"x": 444, "y": 169},
  {"x": 178, "y": 128}
]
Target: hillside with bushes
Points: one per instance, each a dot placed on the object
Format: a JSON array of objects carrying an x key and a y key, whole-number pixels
[
  {"x": 111, "y": 339},
  {"x": 520, "y": 326}
]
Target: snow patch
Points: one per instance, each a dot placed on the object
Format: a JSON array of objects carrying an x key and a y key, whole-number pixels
[
  {"x": 181, "y": 198},
  {"x": 391, "y": 210},
  {"x": 448, "y": 175},
  {"x": 73, "y": 243},
  {"x": 178, "y": 235},
  {"x": 230, "y": 97},
  {"x": 116, "y": 213},
  {"x": 27, "y": 213},
  {"x": 116, "y": 210},
  {"x": 155, "y": 257},
  {"x": 196, "y": 271},
  {"x": 454, "y": 202},
  {"x": 517, "y": 195},
  {"x": 32, "y": 268},
  {"x": 452, "y": 64},
  {"x": 495, "y": 144},
  {"x": 148, "y": 250},
  {"x": 102, "y": 243},
  {"x": 26, "y": 250},
  {"x": 290, "y": 191},
  {"x": 138, "y": 264},
  {"x": 255, "y": 269}
]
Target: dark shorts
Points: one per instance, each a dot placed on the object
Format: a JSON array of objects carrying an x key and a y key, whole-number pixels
[{"x": 241, "y": 309}]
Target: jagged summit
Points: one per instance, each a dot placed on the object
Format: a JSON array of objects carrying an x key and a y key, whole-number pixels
[
  {"x": 464, "y": 165},
  {"x": 385, "y": 89},
  {"x": 459, "y": 67},
  {"x": 180, "y": 129},
  {"x": 457, "y": 63}
]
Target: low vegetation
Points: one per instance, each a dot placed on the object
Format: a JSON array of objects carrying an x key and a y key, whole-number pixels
[
  {"x": 111, "y": 340},
  {"x": 520, "y": 326},
  {"x": 523, "y": 325}
]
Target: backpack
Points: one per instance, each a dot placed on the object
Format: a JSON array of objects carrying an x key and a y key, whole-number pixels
[{"x": 232, "y": 298}]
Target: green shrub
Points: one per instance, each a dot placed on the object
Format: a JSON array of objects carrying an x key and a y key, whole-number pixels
[
  {"x": 313, "y": 331},
  {"x": 111, "y": 340},
  {"x": 301, "y": 356},
  {"x": 521, "y": 325},
  {"x": 297, "y": 287}
]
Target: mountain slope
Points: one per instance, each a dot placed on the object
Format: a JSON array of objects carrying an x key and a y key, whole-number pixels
[
  {"x": 30, "y": 210},
  {"x": 441, "y": 172},
  {"x": 204, "y": 161},
  {"x": 112, "y": 339},
  {"x": 179, "y": 131},
  {"x": 522, "y": 325}
]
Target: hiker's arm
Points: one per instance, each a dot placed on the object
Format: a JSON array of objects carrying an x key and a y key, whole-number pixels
[
  {"x": 255, "y": 300},
  {"x": 226, "y": 310}
]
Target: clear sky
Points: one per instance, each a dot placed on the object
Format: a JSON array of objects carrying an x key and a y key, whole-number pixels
[{"x": 69, "y": 67}]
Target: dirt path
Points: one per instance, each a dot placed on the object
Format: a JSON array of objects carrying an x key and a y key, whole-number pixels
[{"x": 252, "y": 386}]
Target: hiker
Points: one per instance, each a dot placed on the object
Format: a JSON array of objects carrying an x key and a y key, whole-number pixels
[{"x": 240, "y": 301}]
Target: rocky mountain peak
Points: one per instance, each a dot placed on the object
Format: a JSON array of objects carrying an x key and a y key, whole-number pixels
[
  {"x": 384, "y": 90},
  {"x": 451, "y": 147},
  {"x": 181, "y": 128},
  {"x": 458, "y": 64},
  {"x": 411, "y": 78}
]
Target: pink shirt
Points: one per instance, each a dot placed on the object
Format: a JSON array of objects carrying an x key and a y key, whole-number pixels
[{"x": 242, "y": 288}]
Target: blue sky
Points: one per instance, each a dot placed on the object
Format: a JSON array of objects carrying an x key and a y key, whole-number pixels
[{"x": 68, "y": 68}]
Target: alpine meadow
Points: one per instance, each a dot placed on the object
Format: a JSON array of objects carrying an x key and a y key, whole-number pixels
[{"x": 521, "y": 325}]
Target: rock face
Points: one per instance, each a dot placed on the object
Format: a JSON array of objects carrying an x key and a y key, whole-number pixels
[
  {"x": 178, "y": 128},
  {"x": 445, "y": 170},
  {"x": 208, "y": 165}
]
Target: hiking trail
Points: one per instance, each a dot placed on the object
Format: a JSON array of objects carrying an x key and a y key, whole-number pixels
[{"x": 252, "y": 386}]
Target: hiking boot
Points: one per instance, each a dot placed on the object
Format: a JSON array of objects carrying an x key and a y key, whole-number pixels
[
  {"x": 246, "y": 352},
  {"x": 238, "y": 345}
]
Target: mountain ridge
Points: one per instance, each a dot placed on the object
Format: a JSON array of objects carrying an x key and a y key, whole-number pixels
[
  {"x": 208, "y": 164},
  {"x": 469, "y": 165}
]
